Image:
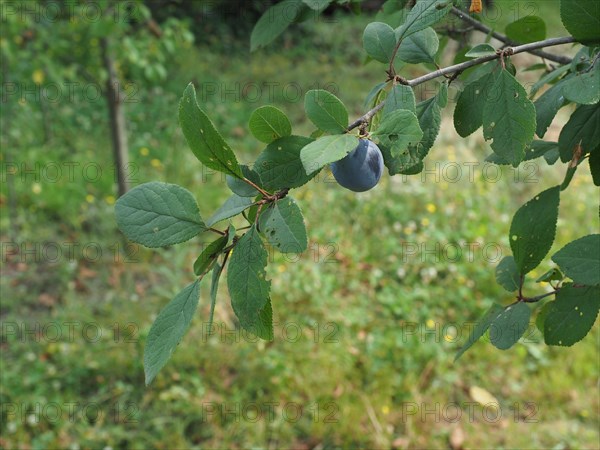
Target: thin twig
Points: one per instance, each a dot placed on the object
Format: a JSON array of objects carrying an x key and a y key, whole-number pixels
[
  {"x": 259, "y": 189},
  {"x": 463, "y": 15},
  {"x": 463, "y": 66}
]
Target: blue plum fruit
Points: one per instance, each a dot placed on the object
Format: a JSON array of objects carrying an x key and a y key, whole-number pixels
[{"x": 361, "y": 169}]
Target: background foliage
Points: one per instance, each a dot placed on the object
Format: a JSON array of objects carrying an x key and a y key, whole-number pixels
[{"x": 373, "y": 310}]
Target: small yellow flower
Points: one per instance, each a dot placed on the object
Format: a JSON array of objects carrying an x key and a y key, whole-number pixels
[
  {"x": 155, "y": 163},
  {"x": 38, "y": 76},
  {"x": 425, "y": 221},
  {"x": 407, "y": 230},
  {"x": 281, "y": 268},
  {"x": 448, "y": 337},
  {"x": 144, "y": 151},
  {"x": 110, "y": 199},
  {"x": 385, "y": 409},
  {"x": 431, "y": 208},
  {"x": 90, "y": 198},
  {"x": 430, "y": 323},
  {"x": 36, "y": 188}
]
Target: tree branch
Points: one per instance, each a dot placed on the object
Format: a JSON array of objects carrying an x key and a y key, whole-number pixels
[
  {"x": 463, "y": 15},
  {"x": 463, "y": 66}
]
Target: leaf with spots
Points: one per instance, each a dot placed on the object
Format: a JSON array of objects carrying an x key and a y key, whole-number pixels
[
  {"x": 268, "y": 123},
  {"x": 158, "y": 214},
  {"x": 468, "y": 114},
  {"x": 203, "y": 138},
  {"x": 533, "y": 228},
  {"x": 509, "y": 118},
  {"x": 507, "y": 274},
  {"x": 279, "y": 165},
  {"x": 571, "y": 316},
  {"x": 580, "y": 260},
  {"x": 283, "y": 226}
]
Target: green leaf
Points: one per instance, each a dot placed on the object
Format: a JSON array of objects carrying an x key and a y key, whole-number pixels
[
  {"x": 548, "y": 150},
  {"x": 481, "y": 50},
  {"x": 373, "y": 92},
  {"x": 509, "y": 325},
  {"x": 326, "y": 111},
  {"x": 572, "y": 315},
  {"x": 283, "y": 226},
  {"x": 268, "y": 123},
  {"x": 549, "y": 78},
  {"x": 232, "y": 206},
  {"x": 468, "y": 114},
  {"x": 279, "y": 165},
  {"x": 407, "y": 162},
  {"x": 583, "y": 88},
  {"x": 594, "y": 162},
  {"x": 509, "y": 118},
  {"x": 263, "y": 327},
  {"x": 424, "y": 14},
  {"x": 209, "y": 255},
  {"x": 482, "y": 326},
  {"x": 541, "y": 317},
  {"x": 442, "y": 95},
  {"x": 274, "y": 21},
  {"x": 168, "y": 329},
  {"x": 552, "y": 275},
  {"x": 158, "y": 214},
  {"x": 214, "y": 286},
  {"x": 507, "y": 274},
  {"x": 581, "y": 18},
  {"x": 203, "y": 138},
  {"x": 240, "y": 187},
  {"x": 326, "y": 150},
  {"x": 400, "y": 97},
  {"x": 527, "y": 29},
  {"x": 580, "y": 260},
  {"x": 582, "y": 128},
  {"x": 430, "y": 118},
  {"x": 317, "y": 5},
  {"x": 533, "y": 228},
  {"x": 247, "y": 283},
  {"x": 419, "y": 47},
  {"x": 398, "y": 130},
  {"x": 379, "y": 41},
  {"x": 546, "y": 108}
]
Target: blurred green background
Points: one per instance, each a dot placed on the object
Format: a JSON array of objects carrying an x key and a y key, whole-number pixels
[{"x": 367, "y": 320}]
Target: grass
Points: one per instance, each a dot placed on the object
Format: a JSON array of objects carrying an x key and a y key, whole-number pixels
[{"x": 366, "y": 319}]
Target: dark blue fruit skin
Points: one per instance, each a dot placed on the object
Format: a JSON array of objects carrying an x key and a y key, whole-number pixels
[{"x": 361, "y": 169}]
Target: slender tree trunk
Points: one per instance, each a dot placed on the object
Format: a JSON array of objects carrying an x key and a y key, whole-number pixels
[
  {"x": 117, "y": 119},
  {"x": 6, "y": 144}
]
